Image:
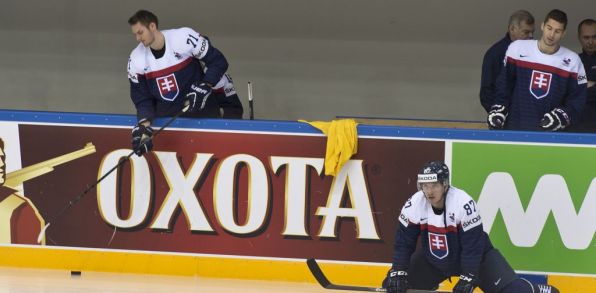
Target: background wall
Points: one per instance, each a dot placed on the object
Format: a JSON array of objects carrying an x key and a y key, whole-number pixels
[{"x": 307, "y": 59}]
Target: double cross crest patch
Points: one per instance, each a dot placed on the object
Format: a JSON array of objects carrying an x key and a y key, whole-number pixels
[
  {"x": 540, "y": 84},
  {"x": 437, "y": 243},
  {"x": 168, "y": 87}
]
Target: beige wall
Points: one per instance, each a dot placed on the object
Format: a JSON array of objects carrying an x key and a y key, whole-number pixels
[{"x": 307, "y": 59}]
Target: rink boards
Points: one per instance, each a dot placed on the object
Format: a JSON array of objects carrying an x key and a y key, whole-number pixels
[{"x": 249, "y": 199}]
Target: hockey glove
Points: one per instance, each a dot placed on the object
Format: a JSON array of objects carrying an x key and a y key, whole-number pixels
[
  {"x": 466, "y": 284},
  {"x": 141, "y": 139},
  {"x": 397, "y": 281},
  {"x": 555, "y": 120},
  {"x": 496, "y": 117},
  {"x": 197, "y": 97}
]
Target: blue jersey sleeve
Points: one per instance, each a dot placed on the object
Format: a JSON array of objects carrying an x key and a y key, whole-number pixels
[
  {"x": 201, "y": 48},
  {"x": 576, "y": 97},
  {"x": 492, "y": 64},
  {"x": 472, "y": 248},
  {"x": 405, "y": 244},
  {"x": 473, "y": 239},
  {"x": 505, "y": 82},
  {"x": 591, "y": 95},
  {"x": 490, "y": 71},
  {"x": 405, "y": 238},
  {"x": 216, "y": 64}
]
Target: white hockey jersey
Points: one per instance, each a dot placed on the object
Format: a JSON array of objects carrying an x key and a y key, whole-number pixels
[
  {"x": 158, "y": 85},
  {"x": 453, "y": 241},
  {"x": 533, "y": 83}
]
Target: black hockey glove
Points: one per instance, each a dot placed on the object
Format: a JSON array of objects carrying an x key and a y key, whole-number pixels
[
  {"x": 197, "y": 97},
  {"x": 466, "y": 284},
  {"x": 396, "y": 281},
  {"x": 141, "y": 139},
  {"x": 496, "y": 117},
  {"x": 555, "y": 120}
]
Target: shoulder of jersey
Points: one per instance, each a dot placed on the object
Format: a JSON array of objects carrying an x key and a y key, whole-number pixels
[
  {"x": 416, "y": 208},
  {"x": 570, "y": 54},
  {"x": 137, "y": 59},
  {"x": 457, "y": 195},
  {"x": 182, "y": 39},
  {"x": 520, "y": 46},
  {"x": 418, "y": 198},
  {"x": 179, "y": 35}
]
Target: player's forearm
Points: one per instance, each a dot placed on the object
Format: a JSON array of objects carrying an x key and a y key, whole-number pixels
[
  {"x": 472, "y": 246},
  {"x": 145, "y": 112},
  {"x": 216, "y": 64},
  {"x": 591, "y": 95},
  {"x": 575, "y": 102},
  {"x": 504, "y": 86},
  {"x": 487, "y": 97},
  {"x": 405, "y": 244}
]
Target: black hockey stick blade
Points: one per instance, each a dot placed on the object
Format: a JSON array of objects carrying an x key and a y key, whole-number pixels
[
  {"x": 316, "y": 271},
  {"x": 314, "y": 268}
]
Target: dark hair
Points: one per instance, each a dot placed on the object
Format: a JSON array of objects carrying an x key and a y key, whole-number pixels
[
  {"x": 587, "y": 21},
  {"x": 521, "y": 16},
  {"x": 144, "y": 17},
  {"x": 558, "y": 16}
]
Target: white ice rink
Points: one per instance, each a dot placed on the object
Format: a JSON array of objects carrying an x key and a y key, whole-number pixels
[{"x": 18, "y": 280}]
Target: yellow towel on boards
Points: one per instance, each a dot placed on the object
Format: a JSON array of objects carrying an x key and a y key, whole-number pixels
[{"x": 342, "y": 142}]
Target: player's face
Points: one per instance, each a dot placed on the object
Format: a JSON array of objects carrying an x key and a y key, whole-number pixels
[
  {"x": 587, "y": 38},
  {"x": 434, "y": 192},
  {"x": 552, "y": 32},
  {"x": 2, "y": 166},
  {"x": 143, "y": 34},
  {"x": 523, "y": 31}
]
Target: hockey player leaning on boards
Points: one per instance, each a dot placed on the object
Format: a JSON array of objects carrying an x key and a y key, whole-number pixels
[
  {"x": 543, "y": 85},
  {"x": 453, "y": 243},
  {"x": 174, "y": 68}
]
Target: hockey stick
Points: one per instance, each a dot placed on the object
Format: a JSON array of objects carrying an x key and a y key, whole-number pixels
[
  {"x": 316, "y": 271},
  {"x": 250, "y": 103},
  {"x": 89, "y": 187}
]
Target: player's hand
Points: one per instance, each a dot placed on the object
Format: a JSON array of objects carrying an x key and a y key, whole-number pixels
[
  {"x": 466, "y": 284},
  {"x": 397, "y": 281},
  {"x": 197, "y": 97},
  {"x": 141, "y": 139},
  {"x": 496, "y": 117},
  {"x": 555, "y": 120}
]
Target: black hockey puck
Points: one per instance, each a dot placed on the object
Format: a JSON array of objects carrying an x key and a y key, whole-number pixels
[{"x": 75, "y": 273}]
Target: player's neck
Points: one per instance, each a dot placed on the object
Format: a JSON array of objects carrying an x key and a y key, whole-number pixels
[
  {"x": 159, "y": 42},
  {"x": 439, "y": 206},
  {"x": 546, "y": 49}
]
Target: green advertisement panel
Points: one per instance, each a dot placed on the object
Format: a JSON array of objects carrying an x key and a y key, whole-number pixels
[{"x": 538, "y": 202}]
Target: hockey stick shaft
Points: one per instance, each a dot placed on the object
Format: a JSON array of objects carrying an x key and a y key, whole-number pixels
[
  {"x": 75, "y": 200},
  {"x": 316, "y": 271},
  {"x": 250, "y": 102}
]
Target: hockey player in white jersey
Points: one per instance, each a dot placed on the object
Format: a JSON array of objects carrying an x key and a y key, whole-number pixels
[
  {"x": 542, "y": 85},
  {"x": 453, "y": 243},
  {"x": 176, "y": 69}
]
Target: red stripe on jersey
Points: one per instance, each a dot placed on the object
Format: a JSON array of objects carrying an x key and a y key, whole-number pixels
[
  {"x": 436, "y": 229},
  {"x": 168, "y": 70},
  {"x": 538, "y": 66}
]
